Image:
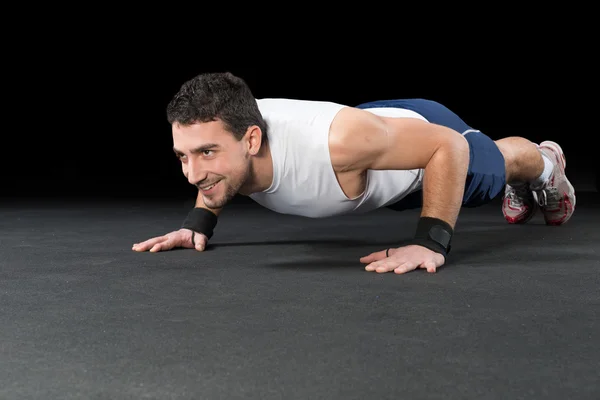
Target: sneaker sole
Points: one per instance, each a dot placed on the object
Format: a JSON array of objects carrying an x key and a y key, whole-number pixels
[{"x": 515, "y": 221}]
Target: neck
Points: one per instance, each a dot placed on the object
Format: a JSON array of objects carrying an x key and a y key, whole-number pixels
[{"x": 261, "y": 176}]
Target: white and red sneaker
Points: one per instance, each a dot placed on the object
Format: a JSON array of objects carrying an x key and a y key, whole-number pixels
[
  {"x": 518, "y": 203},
  {"x": 556, "y": 197}
]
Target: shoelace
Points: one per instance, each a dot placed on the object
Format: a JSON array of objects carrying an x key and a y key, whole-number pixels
[
  {"x": 548, "y": 197},
  {"x": 517, "y": 193}
]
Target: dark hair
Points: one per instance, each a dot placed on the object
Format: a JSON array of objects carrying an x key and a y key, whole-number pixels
[{"x": 217, "y": 96}]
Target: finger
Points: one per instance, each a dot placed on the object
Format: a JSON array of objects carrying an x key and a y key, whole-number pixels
[
  {"x": 199, "y": 240},
  {"x": 374, "y": 265},
  {"x": 386, "y": 266},
  {"x": 148, "y": 243},
  {"x": 405, "y": 267},
  {"x": 430, "y": 266},
  {"x": 380, "y": 255},
  {"x": 162, "y": 246},
  {"x": 371, "y": 267},
  {"x": 382, "y": 266},
  {"x": 155, "y": 248}
]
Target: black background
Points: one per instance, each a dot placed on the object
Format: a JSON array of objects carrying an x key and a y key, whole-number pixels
[{"x": 84, "y": 99}]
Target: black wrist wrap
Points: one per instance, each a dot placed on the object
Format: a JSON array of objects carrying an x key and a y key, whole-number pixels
[
  {"x": 434, "y": 234},
  {"x": 200, "y": 220}
]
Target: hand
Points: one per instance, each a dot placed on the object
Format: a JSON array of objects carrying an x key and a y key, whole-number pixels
[
  {"x": 180, "y": 238},
  {"x": 403, "y": 259}
]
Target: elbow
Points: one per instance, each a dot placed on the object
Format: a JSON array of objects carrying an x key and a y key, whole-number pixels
[
  {"x": 460, "y": 146},
  {"x": 454, "y": 153}
]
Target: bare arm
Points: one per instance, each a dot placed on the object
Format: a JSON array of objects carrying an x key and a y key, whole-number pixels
[{"x": 360, "y": 140}]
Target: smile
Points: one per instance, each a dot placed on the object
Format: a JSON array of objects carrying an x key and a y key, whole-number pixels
[{"x": 209, "y": 187}]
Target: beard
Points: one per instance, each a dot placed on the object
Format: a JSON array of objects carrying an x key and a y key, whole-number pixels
[
  {"x": 220, "y": 201},
  {"x": 229, "y": 190}
]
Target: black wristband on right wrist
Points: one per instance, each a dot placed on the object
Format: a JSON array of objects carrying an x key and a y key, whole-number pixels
[
  {"x": 200, "y": 220},
  {"x": 434, "y": 234}
]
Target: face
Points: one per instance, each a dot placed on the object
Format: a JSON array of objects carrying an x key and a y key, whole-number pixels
[{"x": 213, "y": 160}]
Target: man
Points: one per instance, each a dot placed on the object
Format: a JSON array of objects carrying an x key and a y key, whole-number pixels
[{"x": 320, "y": 159}]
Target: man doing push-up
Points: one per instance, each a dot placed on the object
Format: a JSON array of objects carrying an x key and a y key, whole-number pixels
[{"x": 322, "y": 159}]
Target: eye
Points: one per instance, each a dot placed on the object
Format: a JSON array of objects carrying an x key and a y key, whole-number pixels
[{"x": 207, "y": 152}]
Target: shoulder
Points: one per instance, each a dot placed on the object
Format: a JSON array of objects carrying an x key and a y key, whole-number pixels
[
  {"x": 352, "y": 135},
  {"x": 358, "y": 138},
  {"x": 298, "y": 110}
]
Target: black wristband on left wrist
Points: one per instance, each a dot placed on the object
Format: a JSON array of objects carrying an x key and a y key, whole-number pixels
[{"x": 434, "y": 234}]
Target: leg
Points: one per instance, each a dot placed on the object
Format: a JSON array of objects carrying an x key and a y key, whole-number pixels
[
  {"x": 523, "y": 160},
  {"x": 524, "y": 164},
  {"x": 513, "y": 164},
  {"x": 535, "y": 171}
]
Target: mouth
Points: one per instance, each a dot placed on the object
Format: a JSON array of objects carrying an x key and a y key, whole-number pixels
[{"x": 208, "y": 188}]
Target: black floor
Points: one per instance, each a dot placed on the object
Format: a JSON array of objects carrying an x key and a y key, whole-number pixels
[{"x": 280, "y": 308}]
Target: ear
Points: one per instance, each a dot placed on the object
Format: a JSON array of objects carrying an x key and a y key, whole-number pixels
[{"x": 253, "y": 139}]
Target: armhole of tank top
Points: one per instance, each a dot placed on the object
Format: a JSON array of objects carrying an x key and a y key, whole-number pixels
[{"x": 276, "y": 165}]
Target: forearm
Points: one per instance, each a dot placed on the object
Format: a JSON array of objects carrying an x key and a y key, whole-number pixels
[{"x": 444, "y": 181}]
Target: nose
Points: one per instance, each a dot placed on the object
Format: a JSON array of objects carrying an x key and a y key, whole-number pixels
[{"x": 196, "y": 173}]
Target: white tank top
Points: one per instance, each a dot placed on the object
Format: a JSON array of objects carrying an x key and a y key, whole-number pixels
[{"x": 304, "y": 182}]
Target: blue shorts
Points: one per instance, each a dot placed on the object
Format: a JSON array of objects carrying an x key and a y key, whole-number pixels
[{"x": 486, "y": 177}]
